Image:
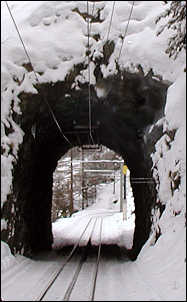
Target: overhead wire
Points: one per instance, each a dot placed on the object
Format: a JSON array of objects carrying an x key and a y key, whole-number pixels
[
  {"x": 37, "y": 79},
  {"x": 111, "y": 20},
  {"x": 89, "y": 85},
  {"x": 126, "y": 30},
  {"x": 93, "y": 7},
  {"x": 108, "y": 32}
]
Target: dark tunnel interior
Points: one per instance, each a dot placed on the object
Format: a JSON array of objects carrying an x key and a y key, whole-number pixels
[{"x": 119, "y": 121}]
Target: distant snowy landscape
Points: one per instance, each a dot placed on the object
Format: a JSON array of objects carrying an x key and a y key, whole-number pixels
[{"x": 162, "y": 261}]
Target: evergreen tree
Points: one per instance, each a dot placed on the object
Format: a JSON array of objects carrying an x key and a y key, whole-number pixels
[{"x": 176, "y": 21}]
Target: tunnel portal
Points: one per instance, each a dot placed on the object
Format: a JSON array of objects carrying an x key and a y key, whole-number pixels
[{"x": 122, "y": 108}]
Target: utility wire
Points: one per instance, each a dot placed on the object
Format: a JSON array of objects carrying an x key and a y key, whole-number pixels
[
  {"x": 111, "y": 19},
  {"x": 48, "y": 105},
  {"x": 21, "y": 40},
  {"x": 93, "y": 7},
  {"x": 126, "y": 30},
  {"x": 89, "y": 90}
]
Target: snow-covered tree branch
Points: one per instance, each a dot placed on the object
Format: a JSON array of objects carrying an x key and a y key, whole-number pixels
[{"x": 175, "y": 15}]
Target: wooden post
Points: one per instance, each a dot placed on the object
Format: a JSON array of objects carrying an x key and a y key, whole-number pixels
[
  {"x": 114, "y": 181},
  {"x": 71, "y": 185},
  {"x": 125, "y": 200},
  {"x": 121, "y": 188},
  {"x": 82, "y": 177},
  {"x": 95, "y": 195},
  {"x": 125, "y": 169},
  {"x": 86, "y": 195}
]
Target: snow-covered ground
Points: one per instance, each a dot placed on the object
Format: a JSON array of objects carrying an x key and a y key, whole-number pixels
[
  {"x": 52, "y": 27},
  {"x": 148, "y": 276},
  {"x": 116, "y": 229}
]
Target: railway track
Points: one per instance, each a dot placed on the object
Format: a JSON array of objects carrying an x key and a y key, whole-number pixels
[
  {"x": 84, "y": 272},
  {"x": 79, "y": 259}
]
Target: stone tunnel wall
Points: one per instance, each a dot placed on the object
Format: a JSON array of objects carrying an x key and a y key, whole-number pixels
[
  {"x": 32, "y": 197},
  {"x": 29, "y": 224}
]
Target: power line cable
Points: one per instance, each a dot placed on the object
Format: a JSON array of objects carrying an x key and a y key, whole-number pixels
[
  {"x": 89, "y": 88},
  {"x": 93, "y": 7},
  {"x": 126, "y": 30},
  {"x": 111, "y": 19},
  {"x": 49, "y": 107}
]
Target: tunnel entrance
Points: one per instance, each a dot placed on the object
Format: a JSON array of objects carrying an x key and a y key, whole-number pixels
[
  {"x": 121, "y": 116},
  {"x": 81, "y": 174}
]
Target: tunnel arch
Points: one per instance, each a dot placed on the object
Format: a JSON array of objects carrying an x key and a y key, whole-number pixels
[{"x": 128, "y": 105}]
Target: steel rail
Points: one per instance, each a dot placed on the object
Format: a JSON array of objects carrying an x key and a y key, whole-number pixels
[
  {"x": 50, "y": 283},
  {"x": 84, "y": 255},
  {"x": 75, "y": 277},
  {"x": 97, "y": 263},
  {"x": 82, "y": 261},
  {"x": 76, "y": 274}
]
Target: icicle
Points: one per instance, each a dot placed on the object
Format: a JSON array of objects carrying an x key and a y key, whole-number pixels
[{"x": 33, "y": 130}]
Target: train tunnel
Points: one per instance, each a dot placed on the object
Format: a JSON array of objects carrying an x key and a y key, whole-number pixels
[{"x": 116, "y": 113}]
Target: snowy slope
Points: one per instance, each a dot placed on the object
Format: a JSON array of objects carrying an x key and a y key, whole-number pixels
[{"x": 52, "y": 27}]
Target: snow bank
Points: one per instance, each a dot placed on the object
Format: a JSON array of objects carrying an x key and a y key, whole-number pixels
[
  {"x": 167, "y": 254},
  {"x": 7, "y": 259}
]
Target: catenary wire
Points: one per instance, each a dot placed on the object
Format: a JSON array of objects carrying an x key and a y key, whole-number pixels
[
  {"x": 89, "y": 27},
  {"x": 93, "y": 7},
  {"x": 89, "y": 88},
  {"x": 111, "y": 19},
  {"x": 26, "y": 52},
  {"x": 126, "y": 30}
]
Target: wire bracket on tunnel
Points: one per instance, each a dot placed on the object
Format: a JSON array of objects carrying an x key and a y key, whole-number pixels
[
  {"x": 140, "y": 180},
  {"x": 91, "y": 147}
]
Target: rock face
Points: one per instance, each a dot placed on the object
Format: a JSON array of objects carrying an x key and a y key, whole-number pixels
[{"x": 122, "y": 108}]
